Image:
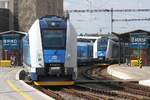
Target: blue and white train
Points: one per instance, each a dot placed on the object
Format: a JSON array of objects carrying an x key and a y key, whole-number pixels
[
  {"x": 107, "y": 50},
  {"x": 99, "y": 49},
  {"x": 50, "y": 51},
  {"x": 85, "y": 52}
]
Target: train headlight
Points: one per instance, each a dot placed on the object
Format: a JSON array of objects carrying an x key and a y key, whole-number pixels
[{"x": 53, "y": 24}]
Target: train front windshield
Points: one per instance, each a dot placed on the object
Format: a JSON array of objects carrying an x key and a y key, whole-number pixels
[
  {"x": 102, "y": 44},
  {"x": 102, "y": 47},
  {"x": 54, "y": 39}
]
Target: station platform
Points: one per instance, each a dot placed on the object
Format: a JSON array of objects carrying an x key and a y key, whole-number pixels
[
  {"x": 125, "y": 72},
  {"x": 14, "y": 89}
]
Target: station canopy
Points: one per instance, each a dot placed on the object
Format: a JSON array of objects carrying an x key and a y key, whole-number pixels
[{"x": 125, "y": 37}]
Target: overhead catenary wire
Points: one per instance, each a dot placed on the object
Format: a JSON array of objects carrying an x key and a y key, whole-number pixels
[
  {"x": 114, "y": 10},
  {"x": 141, "y": 19},
  {"x": 107, "y": 10},
  {"x": 132, "y": 12}
]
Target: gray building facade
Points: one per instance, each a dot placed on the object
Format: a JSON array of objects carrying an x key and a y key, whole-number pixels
[
  {"x": 21, "y": 14},
  {"x": 13, "y": 17},
  {"x": 4, "y": 19},
  {"x": 7, "y": 15},
  {"x": 30, "y": 10}
]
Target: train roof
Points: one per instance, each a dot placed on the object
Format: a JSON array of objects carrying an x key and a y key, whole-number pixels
[
  {"x": 85, "y": 40},
  {"x": 89, "y": 37},
  {"x": 52, "y": 17},
  {"x": 93, "y": 38}
]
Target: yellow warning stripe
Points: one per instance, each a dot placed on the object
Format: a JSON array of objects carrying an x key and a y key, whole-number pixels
[
  {"x": 18, "y": 90},
  {"x": 102, "y": 65},
  {"x": 54, "y": 83}
]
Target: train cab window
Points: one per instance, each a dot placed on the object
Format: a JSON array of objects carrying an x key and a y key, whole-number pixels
[
  {"x": 53, "y": 39},
  {"x": 102, "y": 44}
]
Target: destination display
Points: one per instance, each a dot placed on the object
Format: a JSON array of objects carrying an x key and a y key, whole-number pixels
[{"x": 138, "y": 40}]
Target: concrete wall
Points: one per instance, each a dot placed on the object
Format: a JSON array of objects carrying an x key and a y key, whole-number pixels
[
  {"x": 11, "y": 15},
  {"x": 15, "y": 13},
  {"x": 27, "y": 13},
  {"x": 22, "y": 13},
  {"x": 49, "y": 7},
  {"x": 30, "y": 10}
]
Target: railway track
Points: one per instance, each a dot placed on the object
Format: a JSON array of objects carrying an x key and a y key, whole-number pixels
[
  {"x": 51, "y": 93},
  {"x": 134, "y": 89},
  {"x": 70, "y": 93},
  {"x": 114, "y": 90},
  {"x": 86, "y": 93}
]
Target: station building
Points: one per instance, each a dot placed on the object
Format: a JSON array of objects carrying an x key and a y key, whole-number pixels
[
  {"x": 136, "y": 44},
  {"x": 11, "y": 45}
]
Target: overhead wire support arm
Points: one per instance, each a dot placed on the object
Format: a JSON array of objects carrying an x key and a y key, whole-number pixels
[
  {"x": 127, "y": 20},
  {"x": 131, "y": 10},
  {"x": 107, "y": 10}
]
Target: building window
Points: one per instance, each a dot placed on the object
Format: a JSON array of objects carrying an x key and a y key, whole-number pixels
[{"x": 3, "y": 4}]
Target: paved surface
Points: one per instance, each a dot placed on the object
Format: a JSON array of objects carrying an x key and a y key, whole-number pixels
[
  {"x": 13, "y": 89},
  {"x": 131, "y": 73}
]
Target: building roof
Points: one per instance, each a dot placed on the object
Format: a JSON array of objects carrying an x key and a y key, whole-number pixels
[
  {"x": 12, "y": 31},
  {"x": 22, "y": 34},
  {"x": 134, "y": 31},
  {"x": 126, "y": 36}
]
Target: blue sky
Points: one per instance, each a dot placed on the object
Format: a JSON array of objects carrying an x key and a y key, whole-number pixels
[{"x": 100, "y": 22}]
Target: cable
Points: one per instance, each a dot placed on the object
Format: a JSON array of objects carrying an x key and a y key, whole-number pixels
[
  {"x": 108, "y": 10},
  {"x": 125, "y": 20}
]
